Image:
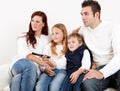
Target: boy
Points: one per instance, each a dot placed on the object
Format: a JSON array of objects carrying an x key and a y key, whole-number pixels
[{"x": 78, "y": 59}]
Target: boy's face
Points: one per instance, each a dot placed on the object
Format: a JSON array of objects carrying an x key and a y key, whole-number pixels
[{"x": 73, "y": 43}]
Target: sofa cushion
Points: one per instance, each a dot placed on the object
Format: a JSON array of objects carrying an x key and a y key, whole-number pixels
[
  {"x": 5, "y": 76},
  {"x": 110, "y": 89}
]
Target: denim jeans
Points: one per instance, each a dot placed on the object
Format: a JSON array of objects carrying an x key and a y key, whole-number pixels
[
  {"x": 24, "y": 76},
  {"x": 48, "y": 83},
  {"x": 67, "y": 86},
  {"x": 100, "y": 85}
]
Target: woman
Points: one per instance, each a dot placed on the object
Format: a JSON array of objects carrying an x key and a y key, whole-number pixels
[{"x": 24, "y": 68}]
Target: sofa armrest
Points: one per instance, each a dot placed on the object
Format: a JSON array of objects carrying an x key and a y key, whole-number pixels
[
  {"x": 5, "y": 76},
  {"x": 110, "y": 89}
]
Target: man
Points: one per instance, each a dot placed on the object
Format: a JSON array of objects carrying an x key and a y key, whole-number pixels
[{"x": 102, "y": 39}]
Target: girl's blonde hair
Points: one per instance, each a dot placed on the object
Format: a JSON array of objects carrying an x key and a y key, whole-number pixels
[{"x": 64, "y": 42}]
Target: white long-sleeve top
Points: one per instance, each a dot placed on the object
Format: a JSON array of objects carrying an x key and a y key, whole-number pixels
[
  {"x": 86, "y": 60},
  {"x": 24, "y": 49},
  {"x": 59, "y": 60},
  {"x": 104, "y": 43}
]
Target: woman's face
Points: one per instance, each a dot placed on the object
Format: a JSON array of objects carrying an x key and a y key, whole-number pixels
[
  {"x": 37, "y": 23},
  {"x": 57, "y": 35}
]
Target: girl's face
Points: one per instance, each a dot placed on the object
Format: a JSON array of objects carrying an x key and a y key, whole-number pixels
[
  {"x": 73, "y": 43},
  {"x": 36, "y": 23},
  {"x": 57, "y": 35}
]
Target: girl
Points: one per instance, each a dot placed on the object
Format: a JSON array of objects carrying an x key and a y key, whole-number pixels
[{"x": 56, "y": 49}]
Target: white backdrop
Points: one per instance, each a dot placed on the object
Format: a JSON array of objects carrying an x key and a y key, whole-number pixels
[{"x": 15, "y": 17}]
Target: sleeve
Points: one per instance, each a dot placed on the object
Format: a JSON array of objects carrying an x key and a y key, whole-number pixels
[
  {"x": 114, "y": 64},
  {"x": 86, "y": 60},
  {"x": 61, "y": 62},
  {"x": 23, "y": 49},
  {"x": 47, "y": 50}
]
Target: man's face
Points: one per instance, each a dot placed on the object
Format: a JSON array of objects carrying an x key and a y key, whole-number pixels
[{"x": 87, "y": 16}]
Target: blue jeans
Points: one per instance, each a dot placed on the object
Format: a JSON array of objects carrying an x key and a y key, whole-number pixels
[
  {"x": 67, "y": 86},
  {"x": 100, "y": 85},
  {"x": 24, "y": 76},
  {"x": 48, "y": 83}
]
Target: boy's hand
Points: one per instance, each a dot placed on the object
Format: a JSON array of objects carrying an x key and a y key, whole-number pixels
[{"x": 73, "y": 77}]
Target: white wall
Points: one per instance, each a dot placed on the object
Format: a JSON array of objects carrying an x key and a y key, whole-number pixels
[{"x": 15, "y": 16}]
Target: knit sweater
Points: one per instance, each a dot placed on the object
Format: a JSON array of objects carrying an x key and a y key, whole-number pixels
[{"x": 104, "y": 43}]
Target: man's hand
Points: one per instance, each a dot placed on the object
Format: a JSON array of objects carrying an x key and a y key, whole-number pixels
[
  {"x": 94, "y": 66},
  {"x": 93, "y": 74},
  {"x": 76, "y": 30}
]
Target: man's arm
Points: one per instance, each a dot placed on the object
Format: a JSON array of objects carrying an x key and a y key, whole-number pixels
[
  {"x": 76, "y": 30},
  {"x": 114, "y": 64}
]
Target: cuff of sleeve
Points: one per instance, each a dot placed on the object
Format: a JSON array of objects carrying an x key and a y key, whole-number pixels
[
  {"x": 42, "y": 68},
  {"x": 104, "y": 73}
]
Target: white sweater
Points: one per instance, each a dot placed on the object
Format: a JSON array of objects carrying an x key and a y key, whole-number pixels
[
  {"x": 59, "y": 60},
  {"x": 104, "y": 42},
  {"x": 24, "y": 49}
]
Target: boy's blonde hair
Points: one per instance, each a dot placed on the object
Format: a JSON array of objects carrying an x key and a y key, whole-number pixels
[
  {"x": 76, "y": 35},
  {"x": 64, "y": 42}
]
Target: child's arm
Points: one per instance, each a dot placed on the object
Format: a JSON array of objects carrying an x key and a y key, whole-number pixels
[
  {"x": 86, "y": 60},
  {"x": 74, "y": 76},
  {"x": 86, "y": 64}
]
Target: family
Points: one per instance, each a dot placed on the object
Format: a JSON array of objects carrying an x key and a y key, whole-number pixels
[{"x": 88, "y": 59}]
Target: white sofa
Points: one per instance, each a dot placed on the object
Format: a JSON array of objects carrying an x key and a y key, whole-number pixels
[{"x": 5, "y": 77}]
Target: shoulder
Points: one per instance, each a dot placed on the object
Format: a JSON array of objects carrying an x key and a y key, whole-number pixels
[
  {"x": 116, "y": 27},
  {"x": 106, "y": 25},
  {"x": 21, "y": 38},
  {"x": 110, "y": 27},
  {"x": 86, "y": 51}
]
